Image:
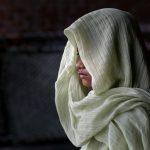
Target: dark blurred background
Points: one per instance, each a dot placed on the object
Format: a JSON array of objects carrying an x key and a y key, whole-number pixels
[{"x": 31, "y": 45}]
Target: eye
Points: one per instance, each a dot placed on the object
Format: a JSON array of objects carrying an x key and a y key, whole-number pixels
[{"x": 77, "y": 52}]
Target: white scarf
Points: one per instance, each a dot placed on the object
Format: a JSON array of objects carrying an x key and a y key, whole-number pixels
[{"x": 114, "y": 115}]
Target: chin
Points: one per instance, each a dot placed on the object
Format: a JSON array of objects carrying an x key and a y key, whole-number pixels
[{"x": 86, "y": 83}]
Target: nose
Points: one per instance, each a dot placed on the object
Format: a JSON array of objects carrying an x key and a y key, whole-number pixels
[{"x": 79, "y": 64}]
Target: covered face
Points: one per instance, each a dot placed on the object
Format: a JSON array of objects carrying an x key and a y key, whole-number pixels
[
  {"x": 84, "y": 75},
  {"x": 110, "y": 48}
]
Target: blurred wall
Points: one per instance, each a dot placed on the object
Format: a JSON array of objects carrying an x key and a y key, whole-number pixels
[{"x": 17, "y": 17}]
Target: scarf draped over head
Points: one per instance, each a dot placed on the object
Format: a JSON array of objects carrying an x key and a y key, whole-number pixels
[{"x": 114, "y": 115}]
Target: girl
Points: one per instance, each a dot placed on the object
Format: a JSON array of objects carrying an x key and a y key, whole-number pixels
[{"x": 102, "y": 94}]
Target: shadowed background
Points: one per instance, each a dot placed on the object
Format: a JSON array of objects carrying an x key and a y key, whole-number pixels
[{"x": 31, "y": 45}]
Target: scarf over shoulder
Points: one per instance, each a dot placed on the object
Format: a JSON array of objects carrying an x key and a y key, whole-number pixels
[{"x": 114, "y": 115}]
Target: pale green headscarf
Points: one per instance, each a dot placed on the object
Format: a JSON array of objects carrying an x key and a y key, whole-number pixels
[{"x": 114, "y": 115}]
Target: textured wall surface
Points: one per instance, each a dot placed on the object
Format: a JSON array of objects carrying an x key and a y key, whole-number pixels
[
  {"x": 17, "y": 17},
  {"x": 48, "y": 15}
]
